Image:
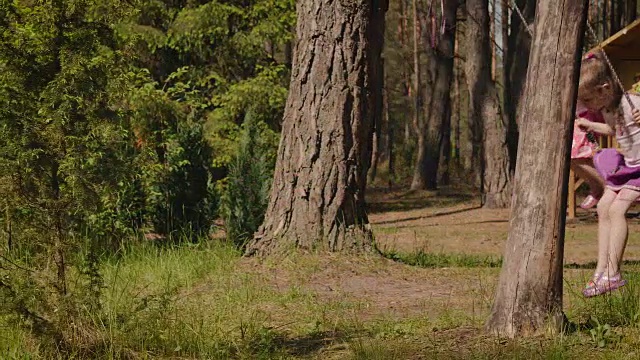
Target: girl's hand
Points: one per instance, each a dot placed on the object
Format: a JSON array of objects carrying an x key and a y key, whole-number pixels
[
  {"x": 585, "y": 124},
  {"x": 636, "y": 115}
]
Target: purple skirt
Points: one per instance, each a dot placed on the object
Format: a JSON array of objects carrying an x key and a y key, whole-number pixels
[{"x": 617, "y": 175}]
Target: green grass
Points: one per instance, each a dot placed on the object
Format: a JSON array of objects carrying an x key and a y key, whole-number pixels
[{"x": 206, "y": 302}]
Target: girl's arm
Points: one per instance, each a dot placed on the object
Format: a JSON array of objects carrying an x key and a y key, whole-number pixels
[
  {"x": 627, "y": 111},
  {"x": 600, "y": 128}
]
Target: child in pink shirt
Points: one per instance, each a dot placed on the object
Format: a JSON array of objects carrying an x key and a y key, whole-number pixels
[
  {"x": 619, "y": 168},
  {"x": 584, "y": 146}
]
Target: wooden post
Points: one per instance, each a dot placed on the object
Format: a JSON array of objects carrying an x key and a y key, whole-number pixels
[{"x": 529, "y": 294}]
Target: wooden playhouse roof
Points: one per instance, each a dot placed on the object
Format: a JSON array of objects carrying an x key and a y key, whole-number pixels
[
  {"x": 623, "y": 48},
  {"x": 625, "y": 44}
]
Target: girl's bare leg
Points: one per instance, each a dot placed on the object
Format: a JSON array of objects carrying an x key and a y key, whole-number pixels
[
  {"x": 585, "y": 170},
  {"x": 604, "y": 229},
  {"x": 619, "y": 229}
]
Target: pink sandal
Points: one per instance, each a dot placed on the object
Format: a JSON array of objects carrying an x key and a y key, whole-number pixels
[
  {"x": 589, "y": 202},
  {"x": 602, "y": 284}
]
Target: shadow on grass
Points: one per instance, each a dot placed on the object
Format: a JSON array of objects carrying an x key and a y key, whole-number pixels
[
  {"x": 440, "y": 260},
  {"x": 379, "y": 201},
  {"x": 444, "y": 213},
  {"x": 312, "y": 343}
]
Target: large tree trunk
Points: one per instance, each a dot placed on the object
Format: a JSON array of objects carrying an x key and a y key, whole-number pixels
[
  {"x": 484, "y": 109},
  {"x": 529, "y": 293},
  {"x": 317, "y": 198},
  {"x": 438, "y": 75},
  {"x": 516, "y": 64}
]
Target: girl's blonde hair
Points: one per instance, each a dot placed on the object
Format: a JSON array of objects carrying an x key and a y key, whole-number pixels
[{"x": 594, "y": 72}]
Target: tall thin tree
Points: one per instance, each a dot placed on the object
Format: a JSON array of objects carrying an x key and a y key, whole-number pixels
[
  {"x": 485, "y": 112},
  {"x": 516, "y": 64},
  {"x": 439, "y": 35}
]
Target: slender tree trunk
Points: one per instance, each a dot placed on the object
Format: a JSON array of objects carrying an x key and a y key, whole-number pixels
[
  {"x": 269, "y": 48},
  {"x": 403, "y": 35},
  {"x": 318, "y": 193},
  {"x": 630, "y": 11},
  {"x": 457, "y": 120},
  {"x": 375, "y": 156},
  {"x": 492, "y": 43},
  {"x": 377, "y": 121},
  {"x": 466, "y": 144},
  {"x": 606, "y": 30},
  {"x": 417, "y": 106},
  {"x": 529, "y": 294},
  {"x": 504, "y": 21},
  {"x": 445, "y": 150},
  {"x": 438, "y": 74},
  {"x": 516, "y": 64},
  {"x": 484, "y": 110},
  {"x": 616, "y": 15},
  {"x": 387, "y": 152},
  {"x": 390, "y": 147},
  {"x": 288, "y": 54}
]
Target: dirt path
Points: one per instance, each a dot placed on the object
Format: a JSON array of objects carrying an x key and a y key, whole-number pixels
[
  {"x": 459, "y": 225},
  {"x": 380, "y": 288}
]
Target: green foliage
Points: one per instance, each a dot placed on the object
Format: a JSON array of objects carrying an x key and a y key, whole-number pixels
[
  {"x": 64, "y": 155},
  {"x": 175, "y": 169},
  {"x": 246, "y": 193},
  {"x": 265, "y": 95},
  {"x": 200, "y": 66},
  {"x": 119, "y": 118},
  {"x": 601, "y": 334}
]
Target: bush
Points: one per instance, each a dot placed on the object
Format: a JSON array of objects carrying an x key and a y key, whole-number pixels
[{"x": 246, "y": 192}]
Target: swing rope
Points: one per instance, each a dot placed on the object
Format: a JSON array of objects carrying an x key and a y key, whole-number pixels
[
  {"x": 613, "y": 71},
  {"x": 515, "y": 7},
  {"x": 433, "y": 26},
  {"x": 616, "y": 78}
]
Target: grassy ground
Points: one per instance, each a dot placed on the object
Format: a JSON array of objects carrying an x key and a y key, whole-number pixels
[{"x": 428, "y": 300}]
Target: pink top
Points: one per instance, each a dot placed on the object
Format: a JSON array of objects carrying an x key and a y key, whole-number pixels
[{"x": 582, "y": 147}]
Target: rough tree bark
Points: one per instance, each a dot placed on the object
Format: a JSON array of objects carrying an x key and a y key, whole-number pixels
[
  {"x": 317, "y": 196},
  {"x": 516, "y": 64},
  {"x": 485, "y": 115},
  {"x": 438, "y": 75},
  {"x": 529, "y": 293}
]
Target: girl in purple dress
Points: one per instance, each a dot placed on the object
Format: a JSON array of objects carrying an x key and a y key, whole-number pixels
[{"x": 619, "y": 168}]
